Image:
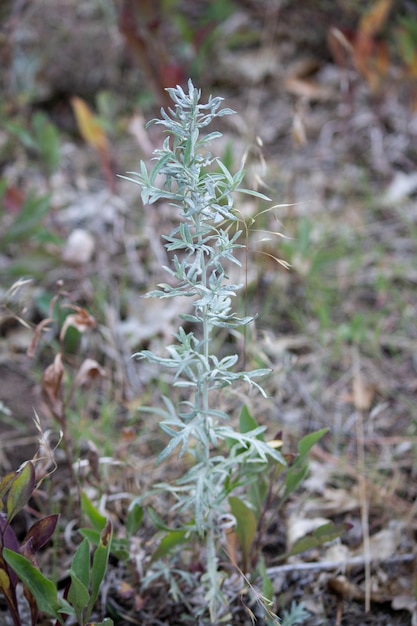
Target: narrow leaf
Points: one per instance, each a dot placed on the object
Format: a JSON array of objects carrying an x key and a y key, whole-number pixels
[
  {"x": 245, "y": 529},
  {"x": 78, "y": 596},
  {"x": 99, "y": 567},
  {"x": 323, "y": 534},
  {"x": 134, "y": 518},
  {"x": 96, "y": 519},
  {"x": 307, "y": 442},
  {"x": 93, "y": 536},
  {"x": 247, "y": 423},
  {"x": 21, "y": 490},
  {"x": 40, "y": 587},
  {"x": 6, "y": 483},
  {"x": 81, "y": 563},
  {"x": 168, "y": 543}
]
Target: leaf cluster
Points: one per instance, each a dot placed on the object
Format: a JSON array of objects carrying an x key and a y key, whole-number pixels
[{"x": 18, "y": 562}]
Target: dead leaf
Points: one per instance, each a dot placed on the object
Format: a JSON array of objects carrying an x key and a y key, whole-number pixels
[
  {"x": 309, "y": 89},
  {"x": 333, "y": 502},
  {"x": 88, "y": 126},
  {"x": 128, "y": 434},
  {"x": 348, "y": 590},
  {"x": 232, "y": 544},
  {"x": 81, "y": 320},
  {"x": 36, "y": 338},
  {"x": 341, "y": 586},
  {"x": 373, "y": 20},
  {"x": 89, "y": 372},
  {"x": 298, "y": 527},
  {"x": 51, "y": 386},
  {"x": 340, "y": 47},
  {"x": 298, "y": 131},
  {"x": 363, "y": 394},
  {"x": 384, "y": 544},
  {"x": 370, "y": 56}
]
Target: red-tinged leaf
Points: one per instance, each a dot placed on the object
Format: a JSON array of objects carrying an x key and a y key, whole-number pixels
[
  {"x": 40, "y": 533},
  {"x": 88, "y": 126},
  {"x": 8, "y": 589},
  {"x": 34, "y": 612},
  {"x": 8, "y": 537},
  {"x": 171, "y": 74},
  {"x": 9, "y": 540},
  {"x": 28, "y": 552},
  {"x": 21, "y": 490},
  {"x": 13, "y": 200}
]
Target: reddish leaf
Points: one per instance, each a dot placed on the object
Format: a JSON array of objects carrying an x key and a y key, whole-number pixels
[
  {"x": 39, "y": 534},
  {"x": 8, "y": 537},
  {"x": 13, "y": 200},
  {"x": 34, "y": 612},
  {"x": 9, "y": 592},
  {"x": 8, "y": 578}
]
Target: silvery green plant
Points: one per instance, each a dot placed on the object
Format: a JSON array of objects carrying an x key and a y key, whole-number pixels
[{"x": 201, "y": 190}]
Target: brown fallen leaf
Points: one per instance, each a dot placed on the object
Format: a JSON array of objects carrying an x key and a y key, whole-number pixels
[
  {"x": 309, "y": 89},
  {"x": 89, "y": 372},
  {"x": 52, "y": 386},
  {"x": 81, "y": 320}
]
